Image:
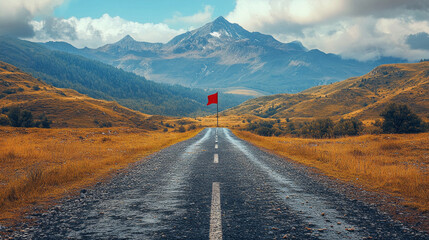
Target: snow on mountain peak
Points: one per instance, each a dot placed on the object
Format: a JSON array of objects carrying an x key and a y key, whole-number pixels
[{"x": 215, "y": 34}]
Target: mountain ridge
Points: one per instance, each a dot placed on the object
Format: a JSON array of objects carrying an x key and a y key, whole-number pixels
[
  {"x": 223, "y": 56},
  {"x": 106, "y": 82}
]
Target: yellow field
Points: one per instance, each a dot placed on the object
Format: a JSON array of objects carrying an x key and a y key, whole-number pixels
[
  {"x": 396, "y": 164},
  {"x": 41, "y": 164}
]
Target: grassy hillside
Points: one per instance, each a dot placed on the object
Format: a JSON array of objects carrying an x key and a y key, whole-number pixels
[
  {"x": 67, "y": 108},
  {"x": 362, "y": 97},
  {"x": 101, "y": 81}
]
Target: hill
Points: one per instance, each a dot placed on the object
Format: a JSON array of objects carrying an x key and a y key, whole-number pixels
[
  {"x": 67, "y": 108},
  {"x": 223, "y": 55},
  {"x": 99, "y": 80},
  {"x": 362, "y": 97}
]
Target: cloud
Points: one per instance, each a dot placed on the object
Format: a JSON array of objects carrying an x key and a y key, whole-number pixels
[
  {"x": 15, "y": 16},
  {"x": 95, "y": 32},
  {"x": 196, "y": 19},
  {"x": 418, "y": 41},
  {"x": 362, "y": 30}
]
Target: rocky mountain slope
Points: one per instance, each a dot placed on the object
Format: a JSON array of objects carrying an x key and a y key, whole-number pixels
[
  {"x": 222, "y": 55},
  {"x": 102, "y": 81}
]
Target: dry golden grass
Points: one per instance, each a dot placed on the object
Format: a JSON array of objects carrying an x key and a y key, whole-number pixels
[
  {"x": 361, "y": 97},
  {"x": 66, "y": 107},
  {"x": 230, "y": 121},
  {"x": 41, "y": 164},
  {"x": 395, "y": 164}
]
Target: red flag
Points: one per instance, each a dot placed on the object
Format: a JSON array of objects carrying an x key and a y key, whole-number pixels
[{"x": 212, "y": 99}]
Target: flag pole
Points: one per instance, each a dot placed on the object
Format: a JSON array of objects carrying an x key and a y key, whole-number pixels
[{"x": 217, "y": 113}]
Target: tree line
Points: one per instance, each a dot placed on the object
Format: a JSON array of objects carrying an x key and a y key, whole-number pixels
[
  {"x": 17, "y": 117},
  {"x": 397, "y": 118},
  {"x": 102, "y": 81}
]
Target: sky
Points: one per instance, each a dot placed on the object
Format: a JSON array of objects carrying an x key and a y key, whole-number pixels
[{"x": 357, "y": 29}]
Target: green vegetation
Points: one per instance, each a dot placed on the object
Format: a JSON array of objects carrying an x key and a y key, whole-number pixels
[
  {"x": 397, "y": 119},
  {"x": 319, "y": 128},
  {"x": 23, "y": 118},
  {"x": 99, "y": 80},
  {"x": 400, "y": 119}
]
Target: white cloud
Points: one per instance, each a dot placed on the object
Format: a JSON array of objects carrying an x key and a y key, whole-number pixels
[
  {"x": 15, "y": 15},
  {"x": 363, "y": 30},
  {"x": 95, "y": 32},
  {"x": 196, "y": 19}
]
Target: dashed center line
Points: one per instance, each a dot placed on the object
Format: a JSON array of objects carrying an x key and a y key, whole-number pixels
[
  {"x": 216, "y": 146},
  {"x": 215, "y": 214},
  {"x": 216, "y": 158}
]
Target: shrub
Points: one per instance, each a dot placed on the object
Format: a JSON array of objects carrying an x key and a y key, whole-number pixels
[
  {"x": 44, "y": 122},
  {"x": 9, "y": 91},
  {"x": 348, "y": 127},
  {"x": 182, "y": 129},
  {"x": 400, "y": 119},
  {"x": 192, "y": 127},
  {"x": 4, "y": 120},
  {"x": 14, "y": 116},
  {"x": 26, "y": 119},
  {"x": 320, "y": 128},
  {"x": 264, "y": 131},
  {"x": 106, "y": 124},
  {"x": 263, "y": 128}
]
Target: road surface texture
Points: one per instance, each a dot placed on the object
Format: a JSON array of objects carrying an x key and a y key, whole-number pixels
[{"x": 214, "y": 186}]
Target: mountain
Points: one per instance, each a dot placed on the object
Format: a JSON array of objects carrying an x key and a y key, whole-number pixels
[
  {"x": 66, "y": 107},
  {"x": 222, "y": 55},
  {"x": 362, "y": 97},
  {"x": 99, "y": 80}
]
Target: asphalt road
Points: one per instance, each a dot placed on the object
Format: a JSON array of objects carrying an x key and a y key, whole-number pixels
[{"x": 214, "y": 186}]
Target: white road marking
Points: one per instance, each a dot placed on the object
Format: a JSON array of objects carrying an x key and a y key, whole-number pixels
[
  {"x": 215, "y": 214},
  {"x": 216, "y": 146},
  {"x": 216, "y": 158}
]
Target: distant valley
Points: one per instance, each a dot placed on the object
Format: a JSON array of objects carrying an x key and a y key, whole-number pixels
[
  {"x": 101, "y": 81},
  {"x": 224, "y": 56}
]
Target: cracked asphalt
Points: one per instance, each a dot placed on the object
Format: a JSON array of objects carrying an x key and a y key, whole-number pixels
[{"x": 168, "y": 195}]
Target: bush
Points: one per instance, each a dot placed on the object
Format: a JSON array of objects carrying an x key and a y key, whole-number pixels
[
  {"x": 182, "y": 129},
  {"x": 264, "y": 131},
  {"x": 399, "y": 119},
  {"x": 348, "y": 127},
  {"x": 9, "y": 91},
  {"x": 24, "y": 118},
  {"x": 320, "y": 128},
  {"x": 27, "y": 119},
  {"x": 263, "y": 128},
  {"x": 4, "y": 120},
  {"x": 14, "y": 116},
  {"x": 44, "y": 122},
  {"x": 192, "y": 127}
]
